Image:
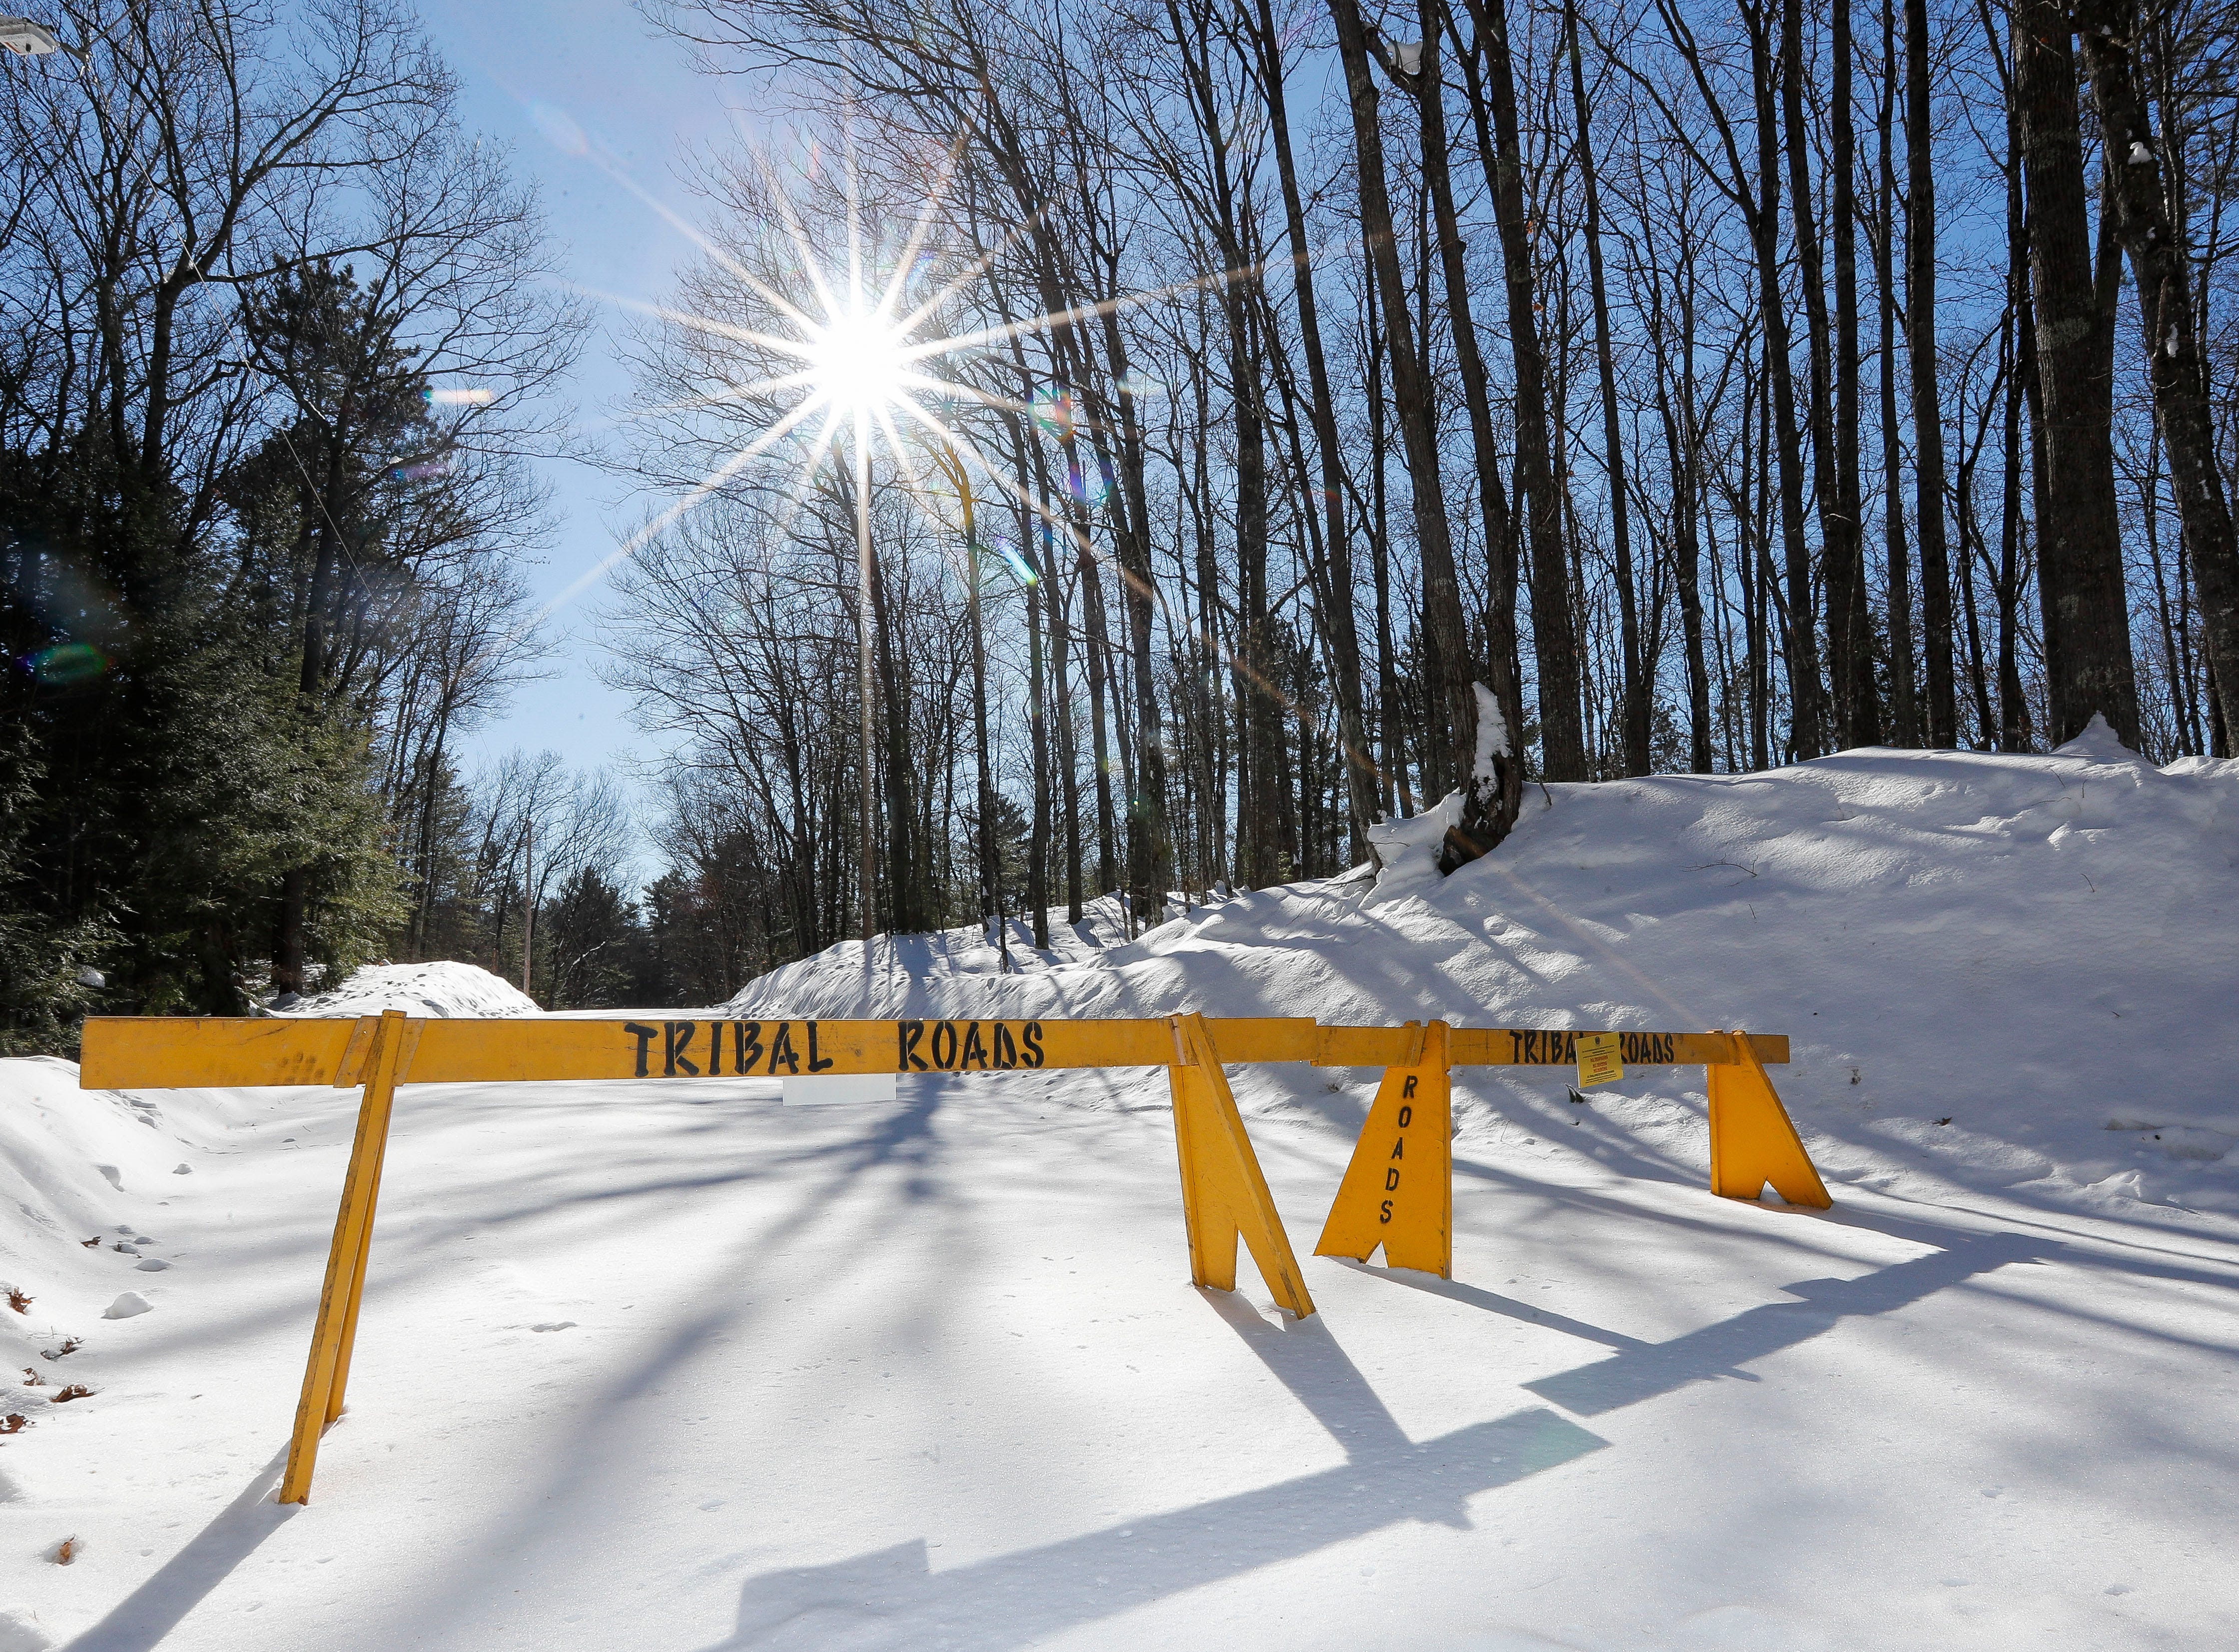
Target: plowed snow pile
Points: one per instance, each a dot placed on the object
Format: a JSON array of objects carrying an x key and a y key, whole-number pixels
[
  {"x": 1997, "y": 971},
  {"x": 669, "y": 1365},
  {"x": 445, "y": 989}
]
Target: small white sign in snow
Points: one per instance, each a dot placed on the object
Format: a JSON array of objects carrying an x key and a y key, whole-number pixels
[{"x": 838, "y": 1089}]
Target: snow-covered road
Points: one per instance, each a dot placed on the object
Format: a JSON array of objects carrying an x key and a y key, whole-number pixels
[{"x": 670, "y": 1366}]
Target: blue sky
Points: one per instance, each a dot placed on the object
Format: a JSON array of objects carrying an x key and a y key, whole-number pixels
[{"x": 530, "y": 68}]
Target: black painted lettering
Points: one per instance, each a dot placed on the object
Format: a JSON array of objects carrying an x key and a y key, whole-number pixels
[
  {"x": 645, "y": 1036},
  {"x": 1515, "y": 1045},
  {"x": 1400, "y": 1148},
  {"x": 715, "y": 1049},
  {"x": 746, "y": 1045},
  {"x": 781, "y": 1049},
  {"x": 678, "y": 1039},
  {"x": 815, "y": 1066},
  {"x": 1387, "y": 1216},
  {"x": 1031, "y": 1039},
  {"x": 1664, "y": 1042},
  {"x": 974, "y": 1051},
  {"x": 1391, "y": 1181},
  {"x": 1408, "y": 1088},
  {"x": 1007, "y": 1048},
  {"x": 1406, "y": 1117},
  {"x": 944, "y": 1055},
  {"x": 906, "y": 1060}
]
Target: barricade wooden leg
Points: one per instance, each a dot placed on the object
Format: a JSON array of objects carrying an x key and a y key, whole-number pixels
[
  {"x": 336, "y": 1328},
  {"x": 1224, "y": 1193},
  {"x": 1753, "y": 1141},
  {"x": 1399, "y": 1190}
]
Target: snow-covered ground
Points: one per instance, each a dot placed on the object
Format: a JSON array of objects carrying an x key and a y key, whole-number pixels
[{"x": 672, "y": 1365}]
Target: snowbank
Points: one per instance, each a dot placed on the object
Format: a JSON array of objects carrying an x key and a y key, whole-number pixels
[
  {"x": 1996, "y": 971},
  {"x": 445, "y": 989}
]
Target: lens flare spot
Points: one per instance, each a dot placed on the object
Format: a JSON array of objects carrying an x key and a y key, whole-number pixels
[
  {"x": 67, "y": 663},
  {"x": 1091, "y": 489},
  {"x": 1022, "y": 570},
  {"x": 1053, "y": 412},
  {"x": 466, "y": 397}
]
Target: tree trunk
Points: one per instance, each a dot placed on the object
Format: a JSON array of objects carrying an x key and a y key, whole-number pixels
[
  {"x": 2021, "y": 365},
  {"x": 1554, "y": 631},
  {"x": 1804, "y": 693},
  {"x": 1638, "y": 688},
  {"x": 2086, "y": 629},
  {"x": 1929, "y": 481},
  {"x": 1492, "y": 498},
  {"x": 1492, "y": 790},
  {"x": 1851, "y": 635},
  {"x": 1345, "y": 639},
  {"x": 1826, "y": 715},
  {"x": 1905, "y": 679},
  {"x": 1389, "y": 726},
  {"x": 2161, "y": 266}
]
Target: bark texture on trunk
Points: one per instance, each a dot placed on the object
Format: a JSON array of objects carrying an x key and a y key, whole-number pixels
[
  {"x": 2087, "y": 629},
  {"x": 1492, "y": 793},
  {"x": 1554, "y": 630},
  {"x": 2159, "y": 261},
  {"x": 1928, "y": 466}
]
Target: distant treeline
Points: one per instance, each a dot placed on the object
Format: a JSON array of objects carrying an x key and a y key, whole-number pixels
[{"x": 273, "y": 341}]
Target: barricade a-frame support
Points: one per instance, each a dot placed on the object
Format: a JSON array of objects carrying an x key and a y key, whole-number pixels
[
  {"x": 1753, "y": 1141},
  {"x": 1224, "y": 1194},
  {"x": 1399, "y": 1190},
  {"x": 334, "y": 1334}
]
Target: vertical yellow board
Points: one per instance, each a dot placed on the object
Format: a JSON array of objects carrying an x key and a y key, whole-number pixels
[
  {"x": 1224, "y": 1194},
  {"x": 1753, "y": 1141},
  {"x": 1399, "y": 1190},
  {"x": 336, "y": 1331}
]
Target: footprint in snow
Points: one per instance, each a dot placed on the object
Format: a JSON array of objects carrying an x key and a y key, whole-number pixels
[
  {"x": 555, "y": 1324},
  {"x": 152, "y": 1265}
]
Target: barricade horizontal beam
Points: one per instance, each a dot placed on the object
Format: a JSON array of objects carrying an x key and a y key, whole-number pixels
[
  {"x": 157, "y": 1053},
  {"x": 181, "y": 1052},
  {"x": 1534, "y": 1047},
  {"x": 186, "y": 1053}
]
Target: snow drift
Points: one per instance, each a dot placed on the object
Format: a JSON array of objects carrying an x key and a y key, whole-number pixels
[
  {"x": 444, "y": 989},
  {"x": 1996, "y": 971}
]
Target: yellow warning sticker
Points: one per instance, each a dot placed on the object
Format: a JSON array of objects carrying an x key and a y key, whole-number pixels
[{"x": 1599, "y": 1058}]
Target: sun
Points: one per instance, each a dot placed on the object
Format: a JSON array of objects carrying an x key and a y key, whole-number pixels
[{"x": 857, "y": 362}]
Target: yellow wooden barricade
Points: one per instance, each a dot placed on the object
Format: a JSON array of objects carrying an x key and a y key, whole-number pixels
[
  {"x": 1399, "y": 1196},
  {"x": 1224, "y": 1194},
  {"x": 1399, "y": 1189}
]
